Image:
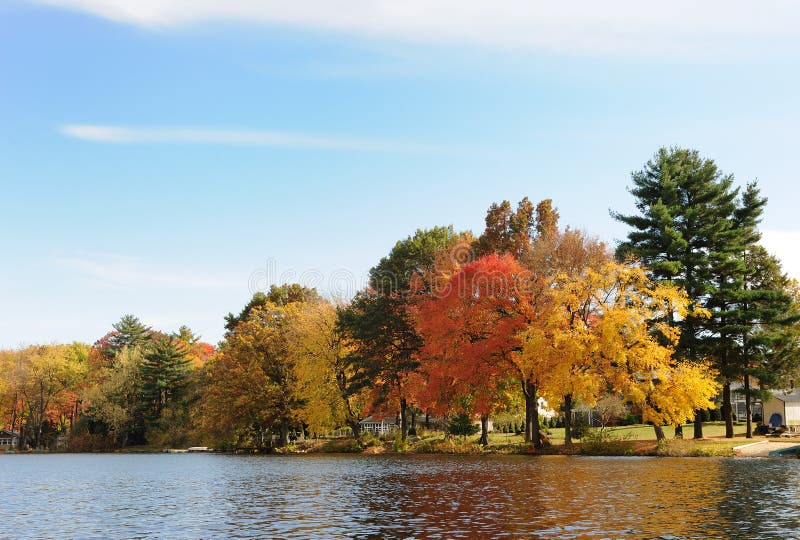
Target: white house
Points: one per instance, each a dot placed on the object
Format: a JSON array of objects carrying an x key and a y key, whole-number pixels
[
  {"x": 379, "y": 425},
  {"x": 8, "y": 438},
  {"x": 783, "y": 409}
]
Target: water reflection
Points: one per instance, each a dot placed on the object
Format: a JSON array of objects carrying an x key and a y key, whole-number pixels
[{"x": 208, "y": 496}]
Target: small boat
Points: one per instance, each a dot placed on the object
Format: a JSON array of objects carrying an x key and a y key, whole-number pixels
[{"x": 198, "y": 449}]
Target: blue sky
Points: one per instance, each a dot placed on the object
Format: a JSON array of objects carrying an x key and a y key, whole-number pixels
[{"x": 164, "y": 158}]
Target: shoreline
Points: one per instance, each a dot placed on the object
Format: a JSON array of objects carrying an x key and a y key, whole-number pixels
[{"x": 710, "y": 447}]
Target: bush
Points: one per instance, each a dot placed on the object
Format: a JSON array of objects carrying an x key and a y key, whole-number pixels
[
  {"x": 631, "y": 419},
  {"x": 449, "y": 446},
  {"x": 343, "y": 446},
  {"x": 462, "y": 425},
  {"x": 579, "y": 426},
  {"x": 368, "y": 439},
  {"x": 399, "y": 444},
  {"x": 89, "y": 442}
]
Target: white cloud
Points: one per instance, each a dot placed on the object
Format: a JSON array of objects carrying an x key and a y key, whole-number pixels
[
  {"x": 629, "y": 27},
  {"x": 786, "y": 246},
  {"x": 126, "y": 273},
  {"x": 165, "y": 135}
]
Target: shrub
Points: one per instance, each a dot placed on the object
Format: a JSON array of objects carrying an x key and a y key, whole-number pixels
[
  {"x": 462, "y": 425},
  {"x": 90, "y": 442},
  {"x": 343, "y": 446},
  {"x": 449, "y": 446},
  {"x": 631, "y": 419}
]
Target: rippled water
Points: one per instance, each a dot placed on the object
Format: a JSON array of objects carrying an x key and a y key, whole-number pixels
[{"x": 218, "y": 496}]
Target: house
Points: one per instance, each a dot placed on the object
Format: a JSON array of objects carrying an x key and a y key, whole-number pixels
[
  {"x": 739, "y": 406},
  {"x": 8, "y": 439},
  {"x": 378, "y": 424},
  {"x": 783, "y": 409}
]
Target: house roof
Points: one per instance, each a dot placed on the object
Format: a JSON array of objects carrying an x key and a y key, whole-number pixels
[
  {"x": 378, "y": 418},
  {"x": 792, "y": 395},
  {"x": 8, "y": 433}
]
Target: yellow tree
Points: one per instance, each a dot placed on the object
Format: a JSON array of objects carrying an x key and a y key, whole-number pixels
[
  {"x": 599, "y": 338},
  {"x": 274, "y": 373},
  {"x": 337, "y": 391},
  {"x": 637, "y": 355},
  {"x": 44, "y": 375},
  {"x": 561, "y": 304}
]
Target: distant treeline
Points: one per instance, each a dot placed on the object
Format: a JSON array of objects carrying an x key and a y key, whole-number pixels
[{"x": 455, "y": 326}]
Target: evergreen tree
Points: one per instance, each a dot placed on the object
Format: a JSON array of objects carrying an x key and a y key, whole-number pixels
[
  {"x": 129, "y": 332},
  {"x": 164, "y": 374},
  {"x": 186, "y": 336},
  {"x": 683, "y": 229},
  {"x": 757, "y": 311},
  {"x": 731, "y": 303}
]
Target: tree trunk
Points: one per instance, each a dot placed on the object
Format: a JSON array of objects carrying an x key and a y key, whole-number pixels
[
  {"x": 698, "y": 425},
  {"x": 679, "y": 431},
  {"x": 727, "y": 412},
  {"x": 403, "y": 419},
  {"x": 484, "y": 430},
  {"x": 428, "y": 419},
  {"x": 355, "y": 427},
  {"x": 748, "y": 406},
  {"x": 528, "y": 423},
  {"x": 659, "y": 433},
  {"x": 412, "y": 428},
  {"x": 568, "y": 419},
  {"x": 283, "y": 440},
  {"x": 21, "y": 442},
  {"x": 532, "y": 431}
]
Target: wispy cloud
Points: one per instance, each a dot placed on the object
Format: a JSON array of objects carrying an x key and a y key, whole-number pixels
[
  {"x": 232, "y": 137},
  {"x": 127, "y": 273},
  {"x": 784, "y": 245},
  {"x": 628, "y": 27}
]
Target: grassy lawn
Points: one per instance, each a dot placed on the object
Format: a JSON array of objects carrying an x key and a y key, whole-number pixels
[
  {"x": 641, "y": 439},
  {"x": 639, "y": 432}
]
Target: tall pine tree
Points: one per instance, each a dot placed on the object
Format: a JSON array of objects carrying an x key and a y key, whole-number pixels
[
  {"x": 129, "y": 332},
  {"x": 164, "y": 373},
  {"x": 683, "y": 228}
]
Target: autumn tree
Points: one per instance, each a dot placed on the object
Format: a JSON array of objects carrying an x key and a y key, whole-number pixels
[
  {"x": 601, "y": 339},
  {"x": 279, "y": 295},
  {"x": 528, "y": 234},
  {"x": 273, "y": 373},
  {"x": 48, "y": 371},
  {"x": 341, "y": 387},
  {"x": 378, "y": 325},
  {"x": 197, "y": 352},
  {"x": 559, "y": 265},
  {"x": 469, "y": 332},
  {"x": 115, "y": 399}
]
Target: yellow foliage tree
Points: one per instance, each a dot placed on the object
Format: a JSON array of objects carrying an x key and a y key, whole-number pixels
[{"x": 598, "y": 336}]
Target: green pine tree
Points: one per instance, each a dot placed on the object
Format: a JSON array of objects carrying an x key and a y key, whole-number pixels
[
  {"x": 164, "y": 374},
  {"x": 686, "y": 208},
  {"x": 129, "y": 332}
]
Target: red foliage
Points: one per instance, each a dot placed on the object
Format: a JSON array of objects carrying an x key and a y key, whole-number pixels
[{"x": 469, "y": 329}]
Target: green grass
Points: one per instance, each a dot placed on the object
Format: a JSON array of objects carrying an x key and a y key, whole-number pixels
[
  {"x": 639, "y": 432},
  {"x": 617, "y": 441}
]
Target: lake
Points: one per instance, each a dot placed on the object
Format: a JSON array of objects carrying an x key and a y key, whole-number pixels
[{"x": 335, "y": 496}]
